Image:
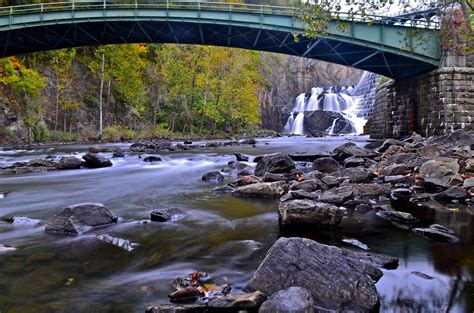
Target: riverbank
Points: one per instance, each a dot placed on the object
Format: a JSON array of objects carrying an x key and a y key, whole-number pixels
[{"x": 226, "y": 235}]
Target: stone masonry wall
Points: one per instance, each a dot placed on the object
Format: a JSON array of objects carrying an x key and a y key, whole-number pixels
[{"x": 434, "y": 103}]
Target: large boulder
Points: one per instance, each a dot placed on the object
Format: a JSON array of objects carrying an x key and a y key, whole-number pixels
[
  {"x": 439, "y": 171},
  {"x": 353, "y": 174},
  {"x": 92, "y": 160},
  {"x": 396, "y": 169},
  {"x": 299, "y": 212},
  {"x": 401, "y": 158},
  {"x": 390, "y": 142},
  {"x": 309, "y": 185},
  {"x": 69, "y": 163},
  {"x": 274, "y": 163},
  {"x": 326, "y": 165},
  {"x": 164, "y": 215},
  {"x": 212, "y": 177},
  {"x": 293, "y": 299},
  {"x": 337, "y": 195},
  {"x": 337, "y": 279},
  {"x": 80, "y": 218},
  {"x": 262, "y": 190},
  {"x": 349, "y": 149},
  {"x": 317, "y": 122},
  {"x": 453, "y": 193}
]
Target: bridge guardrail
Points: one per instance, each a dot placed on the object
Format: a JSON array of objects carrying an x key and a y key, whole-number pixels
[{"x": 206, "y": 6}]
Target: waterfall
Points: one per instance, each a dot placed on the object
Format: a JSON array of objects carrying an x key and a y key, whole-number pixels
[
  {"x": 351, "y": 107},
  {"x": 297, "y": 128}
]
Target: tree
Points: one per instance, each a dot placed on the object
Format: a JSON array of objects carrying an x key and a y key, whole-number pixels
[
  {"x": 22, "y": 87},
  {"x": 61, "y": 62}
]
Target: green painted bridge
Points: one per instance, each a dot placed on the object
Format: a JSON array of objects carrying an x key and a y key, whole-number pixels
[{"x": 395, "y": 47}]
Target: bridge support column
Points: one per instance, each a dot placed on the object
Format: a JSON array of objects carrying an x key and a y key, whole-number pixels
[{"x": 434, "y": 103}]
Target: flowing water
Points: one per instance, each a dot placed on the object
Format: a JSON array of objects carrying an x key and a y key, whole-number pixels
[{"x": 222, "y": 235}]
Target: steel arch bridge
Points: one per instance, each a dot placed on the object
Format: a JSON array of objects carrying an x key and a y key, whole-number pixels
[{"x": 395, "y": 47}]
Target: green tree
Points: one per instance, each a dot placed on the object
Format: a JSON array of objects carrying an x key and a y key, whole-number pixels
[{"x": 22, "y": 87}]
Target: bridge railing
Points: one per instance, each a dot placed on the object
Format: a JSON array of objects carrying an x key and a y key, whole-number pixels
[{"x": 291, "y": 8}]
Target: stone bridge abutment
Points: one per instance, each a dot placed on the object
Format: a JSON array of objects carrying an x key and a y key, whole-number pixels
[{"x": 434, "y": 103}]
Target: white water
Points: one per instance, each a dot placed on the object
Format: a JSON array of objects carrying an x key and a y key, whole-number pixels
[{"x": 354, "y": 103}]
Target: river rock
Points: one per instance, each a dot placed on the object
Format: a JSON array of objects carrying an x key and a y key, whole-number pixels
[
  {"x": 80, "y": 218},
  {"x": 250, "y": 141},
  {"x": 453, "y": 193},
  {"x": 96, "y": 161},
  {"x": 6, "y": 248},
  {"x": 164, "y": 215},
  {"x": 69, "y": 163},
  {"x": 398, "y": 217},
  {"x": 22, "y": 221},
  {"x": 469, "y": 165},
  {"x": 274, "y": 163},
  {"x": 241, "y": 158},
  {"x": 245, "y": 180},
  {"x": 389, "y": 142},
  {"x": 307, "y": 157},
  {"x": 456, "y": 138},
  {"x": 337, "y": 279},
  {"x": 293, "y": 299},
  {"x": 356, "y": 243},
  {"x": 396, "y": 169},
  {"x": 236, "y": 303},
  {"x": 437, "y": 234},
  {"x": 118, "y": 155},
  {"x": 371, "y": 191},
  {"x": 299, "y": 212},
  {"x": 212, "y": 177},
  {"x": 287, "y": 177},
  {"x": 118, "y": 242},
  {"x": 356, "y": 162},
  {"x": 401, "y": 158},
  {"x": 430, "y": 151},
  {"x": 337, "y": 195},
  {"x": 263, "y": 190},
  {"x": 309, "y": 185},
  {"x": 301, "y": 194},
  {"x": 41, "y": 163},
  {"x": 330, "y": 181},
  {"x": 326, "y": 165},
  {"x": 223, "y": 190},
  {"x": 177, "y": 308},
  {"x": 468, "y": 183},
  {"x": 439, "y": 171},
  {"x": 399, "y": 179},
  {"x": 354, "y": 174},
  {"x": 401, "y": 194},
  {"x": 349, "y": 149},
  {"x": 152, "y": 158}
]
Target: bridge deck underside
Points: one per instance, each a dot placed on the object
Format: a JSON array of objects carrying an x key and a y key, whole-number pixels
[{"x": 30, "y": 39}]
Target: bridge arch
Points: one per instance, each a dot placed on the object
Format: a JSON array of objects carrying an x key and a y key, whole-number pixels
[{"x": 382, "y": 47}]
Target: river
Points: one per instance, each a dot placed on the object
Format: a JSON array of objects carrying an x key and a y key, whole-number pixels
[{"x": 222, "y": 235}]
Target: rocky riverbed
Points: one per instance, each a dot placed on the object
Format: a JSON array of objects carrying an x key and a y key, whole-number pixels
[{"x": 123, "y": 222}]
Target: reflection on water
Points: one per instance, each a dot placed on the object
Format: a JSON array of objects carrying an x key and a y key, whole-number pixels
[{"x": 222, "y": 235}]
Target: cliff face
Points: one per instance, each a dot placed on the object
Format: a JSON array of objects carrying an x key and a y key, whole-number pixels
[{"x": 285, "y": 77}]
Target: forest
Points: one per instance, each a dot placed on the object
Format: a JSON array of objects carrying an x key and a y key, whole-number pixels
[{"x": 133, "y": 90}]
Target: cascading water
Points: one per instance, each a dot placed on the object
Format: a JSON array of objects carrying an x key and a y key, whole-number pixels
[{"x": 343, "y": 110}]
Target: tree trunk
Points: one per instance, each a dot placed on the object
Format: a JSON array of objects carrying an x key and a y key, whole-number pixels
[
  {"x": 57, "y": 112},
  {"x": 109, "y": 88},
  {"x": 100, "y": 96}
]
